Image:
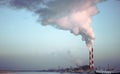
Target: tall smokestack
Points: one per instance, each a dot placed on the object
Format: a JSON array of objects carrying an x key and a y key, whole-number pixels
[{"x": 91, "y": 59}]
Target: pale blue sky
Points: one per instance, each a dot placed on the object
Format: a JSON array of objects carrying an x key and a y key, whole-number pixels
[{"x": 26, "y": 44}]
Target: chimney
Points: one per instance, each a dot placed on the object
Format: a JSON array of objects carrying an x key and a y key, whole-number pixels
[{"x": 91, "y": 59}]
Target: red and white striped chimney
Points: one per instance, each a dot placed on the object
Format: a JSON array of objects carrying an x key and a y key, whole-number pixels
[{"x": 91, "y": 59}]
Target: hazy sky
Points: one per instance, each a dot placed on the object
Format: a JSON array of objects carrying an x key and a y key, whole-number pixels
[{"x": 26, "y": 44}]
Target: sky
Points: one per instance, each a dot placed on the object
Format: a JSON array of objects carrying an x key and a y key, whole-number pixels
[{"x": 25, "y": 43}]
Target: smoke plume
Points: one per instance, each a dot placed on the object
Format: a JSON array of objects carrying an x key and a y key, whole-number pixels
[{"x": 72, "y": 15}]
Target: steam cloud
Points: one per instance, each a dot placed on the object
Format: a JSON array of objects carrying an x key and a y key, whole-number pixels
[{"x": 72, "y": 15}]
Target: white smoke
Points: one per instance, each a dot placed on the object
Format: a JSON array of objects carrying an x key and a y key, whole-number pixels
[
  {"x": 78, "y": 22},
  {"x": 72, "y": 15}
]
